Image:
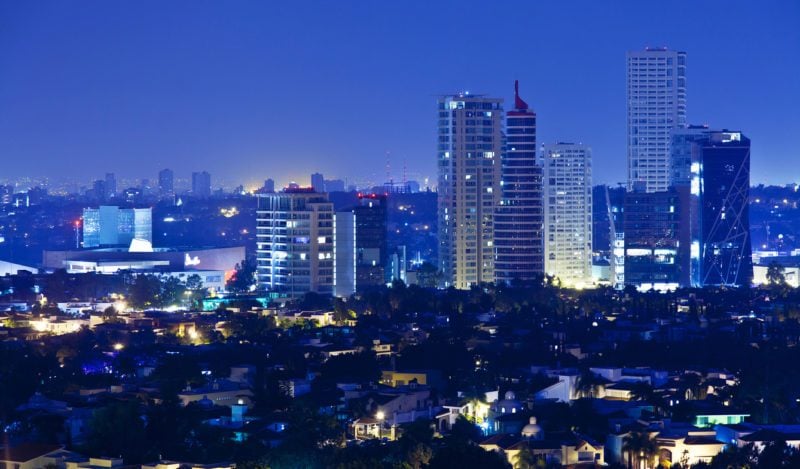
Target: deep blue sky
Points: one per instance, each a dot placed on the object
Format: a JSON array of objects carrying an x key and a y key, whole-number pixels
[{"x": 250, "y": 90}]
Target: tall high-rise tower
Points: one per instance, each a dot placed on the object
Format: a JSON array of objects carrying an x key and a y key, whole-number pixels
[
  {"x": 656, "y": 106},
  {"x": 469, "y": 149},
  {"x": 318, "y": 182},
  {"x": 568, "y": 213},
  {"x": 715, "y": 165},
  {"x": 201, "y": 185},
  {"x": 371, "y": 254},
  {"x": 111, "y": 185},
  {"x": 518, "y": 220},
  {"x": 166, "y": 182}
]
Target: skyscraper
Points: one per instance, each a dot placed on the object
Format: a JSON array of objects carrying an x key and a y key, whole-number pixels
[
  {"x": 201, "y": 185},
  {"x": 719, "y": 184},
  {"x": 294, "y": 242},
  {"x": 518, "y": 220},
  {"x": 656, "y": 106},
  {"x": 656, "y": 227},
  {"x": 269, "y": 185},
  {"x": 371, "y": 254},
  {"x": 568, "y": 213},
  {"x": 166, "y": 183},
  {"x": 99, "y": 190},
  {"x": 111, "y": 185},
  {"x": 344, "y": 253},
  {"x": 318, "y": 182},
  {"x": 469, "y": 148}
]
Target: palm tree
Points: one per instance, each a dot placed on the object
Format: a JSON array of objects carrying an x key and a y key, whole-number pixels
[
  {"x": 589, "y": 384},
  {"x": 525, "y": 459},
  {"x": 641, "y": 448}
]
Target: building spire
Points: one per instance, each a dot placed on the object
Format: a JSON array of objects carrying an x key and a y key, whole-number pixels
[{"x": 518, "y": 102}]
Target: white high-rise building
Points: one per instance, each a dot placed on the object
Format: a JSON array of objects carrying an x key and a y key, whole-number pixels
[
  {"x": 295, "y": 242},
  {"x": 469, "y": 151},
  {"x": 568, "y": 213},
  {"x": 656, "y": 106}
]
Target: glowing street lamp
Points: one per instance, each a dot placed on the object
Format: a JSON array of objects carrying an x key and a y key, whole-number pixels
[{"x": 380, "y": 416}]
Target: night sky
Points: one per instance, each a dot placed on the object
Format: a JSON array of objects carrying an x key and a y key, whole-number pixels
[{"x": 249, "y": 90}]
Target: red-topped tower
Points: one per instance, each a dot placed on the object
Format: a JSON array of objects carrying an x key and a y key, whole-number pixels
[{"x": 518, "y": 222}]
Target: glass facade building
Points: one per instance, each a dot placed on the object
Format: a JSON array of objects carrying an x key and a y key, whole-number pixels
[
  {"x": 201, "y": 185},
  {"x": 110, "y": 225},
  {"x": 371, "y": 255},
  {"x": 714, "y": 167},
  {"x": 656, "y": 239},
  {"x": 722, "y": 168},
  {"x": 166, "y": 183},
  {"x": 518, "y": 220}
]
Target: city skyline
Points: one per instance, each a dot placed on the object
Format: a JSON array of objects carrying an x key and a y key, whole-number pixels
[{"x": 133, "y": 96}]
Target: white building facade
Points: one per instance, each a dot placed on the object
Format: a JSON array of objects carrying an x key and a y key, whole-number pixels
[
  {"x": 656, "y": 94},
  {"x": 568, "y": 213},
  {"x": 294, "y": 242},
  {"x": 470, "y": 145}
]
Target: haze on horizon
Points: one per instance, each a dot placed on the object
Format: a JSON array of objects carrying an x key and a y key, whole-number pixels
[{"x": 250, "y": 90}]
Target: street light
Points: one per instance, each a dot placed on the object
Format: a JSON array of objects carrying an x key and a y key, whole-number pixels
[{"x": 380, "y": 416}]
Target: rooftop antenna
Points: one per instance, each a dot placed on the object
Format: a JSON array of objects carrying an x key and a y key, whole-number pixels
[{"x": 388, "y": 168}]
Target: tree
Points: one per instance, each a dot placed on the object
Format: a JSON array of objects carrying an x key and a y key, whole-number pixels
[
  {"x": 118, "y": 430},
  {"x": 243, "y": 279},
  {"x": 308, "y": 429},
  {"x": 428, "y": 276},
  {"x": 194, "y": 282},
  {"x": 640, "y": 448},
  {"x": 110, "y": 315},
  {"x": 145, "y": 291},
  {"x": 589, "y": 384},
  {"x": 465, "y": 431},
  {"x": 525, "y": 459},
  {"x": 195, "y": 286},
  {"x": 419, "y": 455},
  {"x": 459, "y": 456},
  {"x": 172, "y": 290},
  {"x": 775, "y": 274},
  {"x": 340, "y": 311}
]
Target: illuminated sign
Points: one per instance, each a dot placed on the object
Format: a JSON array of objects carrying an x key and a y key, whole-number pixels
[{"x": 191, "y": 261}]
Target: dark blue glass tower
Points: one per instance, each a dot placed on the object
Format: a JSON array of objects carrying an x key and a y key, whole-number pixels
[
  {"x": 722, "y": 160},
  {"x": 518, "y": 219}
]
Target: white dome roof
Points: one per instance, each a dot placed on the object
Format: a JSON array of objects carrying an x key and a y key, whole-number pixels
[{"x": 532, "y": 430}]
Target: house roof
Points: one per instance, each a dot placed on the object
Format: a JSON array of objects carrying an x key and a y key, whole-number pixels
[
  {"x": 771, "y": 435},
  {"x": 365, "y": 421},
  {"x": 701, "y": 440},
  {"x": 26, "y": 452},
  {"x": 501, "y": 440}
]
